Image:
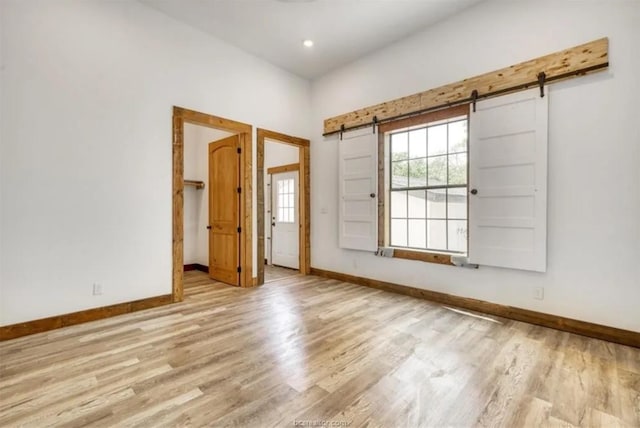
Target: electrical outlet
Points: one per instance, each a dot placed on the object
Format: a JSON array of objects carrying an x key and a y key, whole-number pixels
[
  {"x": 97, "y": 289},
  {"x": 538, "y": 293}
]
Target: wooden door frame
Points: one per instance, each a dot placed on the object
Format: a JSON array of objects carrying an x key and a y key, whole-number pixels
[
  {"x": 304, "y": 198},
  {"x": 180, "y": 117}
]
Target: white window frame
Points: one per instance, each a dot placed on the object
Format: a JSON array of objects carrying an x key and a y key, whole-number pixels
[{"x": 389, "y": 189}]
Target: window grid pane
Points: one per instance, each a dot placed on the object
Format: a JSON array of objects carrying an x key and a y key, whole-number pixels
[
  {"x": 428, "y": 197},
  {"x": 286, "y": 201}
]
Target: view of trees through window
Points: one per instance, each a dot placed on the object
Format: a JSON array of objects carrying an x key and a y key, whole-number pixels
[{"x": 429, "y": 187}]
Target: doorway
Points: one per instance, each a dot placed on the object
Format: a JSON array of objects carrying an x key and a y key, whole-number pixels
[
  {"x": 199, "y": 185},
  {"x": 284, "y": 213},
  {"x": 243, "y": 229},
  {"x": 283, "y": 204}
]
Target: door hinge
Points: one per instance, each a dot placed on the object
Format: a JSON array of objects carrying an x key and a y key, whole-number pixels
[
  {"x": 239, "y": 189},
  {"x": 239, "y": 269},
  {"x": 239, "y": 150},
  {"x": 239, "y": 229}
]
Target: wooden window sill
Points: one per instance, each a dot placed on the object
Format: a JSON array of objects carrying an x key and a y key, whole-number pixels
[{"x": 423, "y": 256}]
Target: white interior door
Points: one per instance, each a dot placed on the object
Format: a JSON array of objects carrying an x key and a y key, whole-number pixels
[
  {"x": 285, "y": 221},
  {"x": 268, "y": 209},
  {"x": 508, "y": 182}
]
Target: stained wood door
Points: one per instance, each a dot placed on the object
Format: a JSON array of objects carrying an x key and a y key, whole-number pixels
[
  {"x": 224, "y": 210},
  {"x": 285, "y": 220}
]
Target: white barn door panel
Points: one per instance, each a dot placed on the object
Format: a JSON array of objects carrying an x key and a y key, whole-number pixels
[
  {"x": 358, "y": 178},
  {"x": 508, "y": 181}
]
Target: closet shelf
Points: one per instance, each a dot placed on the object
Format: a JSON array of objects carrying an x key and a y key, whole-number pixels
[{"x": 197, "y": 184}]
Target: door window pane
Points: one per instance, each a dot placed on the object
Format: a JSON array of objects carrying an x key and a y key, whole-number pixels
[{"x": 286, "y": 200}]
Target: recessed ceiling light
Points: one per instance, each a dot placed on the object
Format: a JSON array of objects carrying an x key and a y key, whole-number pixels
[{"x": 307, "y": 43}]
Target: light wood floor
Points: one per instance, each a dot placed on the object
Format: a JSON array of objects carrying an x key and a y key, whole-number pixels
[
  {"x": 274, "y": 273},
  {"x": 307, "y": 349}
]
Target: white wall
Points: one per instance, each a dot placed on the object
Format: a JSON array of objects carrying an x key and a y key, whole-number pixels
[
  {"x": 594, "y": 153},
  {"x": 196, "y": 201},
  {"x": 1, "y": 146},
  {"x": 85, "y": 174},
  {"x": 275, "y": 154}
]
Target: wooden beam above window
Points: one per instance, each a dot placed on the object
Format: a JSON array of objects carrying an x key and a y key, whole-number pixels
[
  {"x": 576, "y": 61},
  {"x": 421, "y": 119}
]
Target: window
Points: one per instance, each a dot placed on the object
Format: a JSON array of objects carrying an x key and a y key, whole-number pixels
[
  {"x": 286, "y": 201},
  {"x": 427, "y": 199},
  {"x": 422, "y": 167}
]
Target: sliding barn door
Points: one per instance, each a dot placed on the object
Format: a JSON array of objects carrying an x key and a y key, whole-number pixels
[
  {"x": 508, "y": 182},
  {"x": 358, "y": 172},
  {"x": 224, "y": 210}
]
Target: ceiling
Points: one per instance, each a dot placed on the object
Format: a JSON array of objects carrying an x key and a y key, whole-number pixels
[{"x": 342, "y": 30}]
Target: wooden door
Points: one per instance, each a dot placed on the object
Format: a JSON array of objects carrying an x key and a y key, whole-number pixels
[
  {"x": 224, "y": 210},
  {"x": 285, "y": 220}
]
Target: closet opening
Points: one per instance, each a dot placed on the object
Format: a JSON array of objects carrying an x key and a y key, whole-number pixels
[{"x": 211, "y": 199}]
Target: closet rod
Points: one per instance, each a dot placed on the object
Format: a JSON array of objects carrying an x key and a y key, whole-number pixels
[{"x": 197, "y": 184}]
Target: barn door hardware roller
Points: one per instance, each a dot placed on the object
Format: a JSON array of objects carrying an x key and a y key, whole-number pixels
[
  {"x": 474, "y": 98},
  {"x": 374, "y": 123},
  {"x": 341, "y": 130},
  {"x": 542, "y": 77}
]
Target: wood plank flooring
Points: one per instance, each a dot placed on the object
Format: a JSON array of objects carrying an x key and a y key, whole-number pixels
[
  {"x": 305, "y": 350},
  {"x": 274, "y": 273}
]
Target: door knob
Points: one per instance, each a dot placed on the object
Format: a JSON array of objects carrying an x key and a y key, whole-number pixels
[
  {"x": 474, "y": 191},
  {"x": 209, "y": 227},
  {"x": 373, "y": 195}
]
